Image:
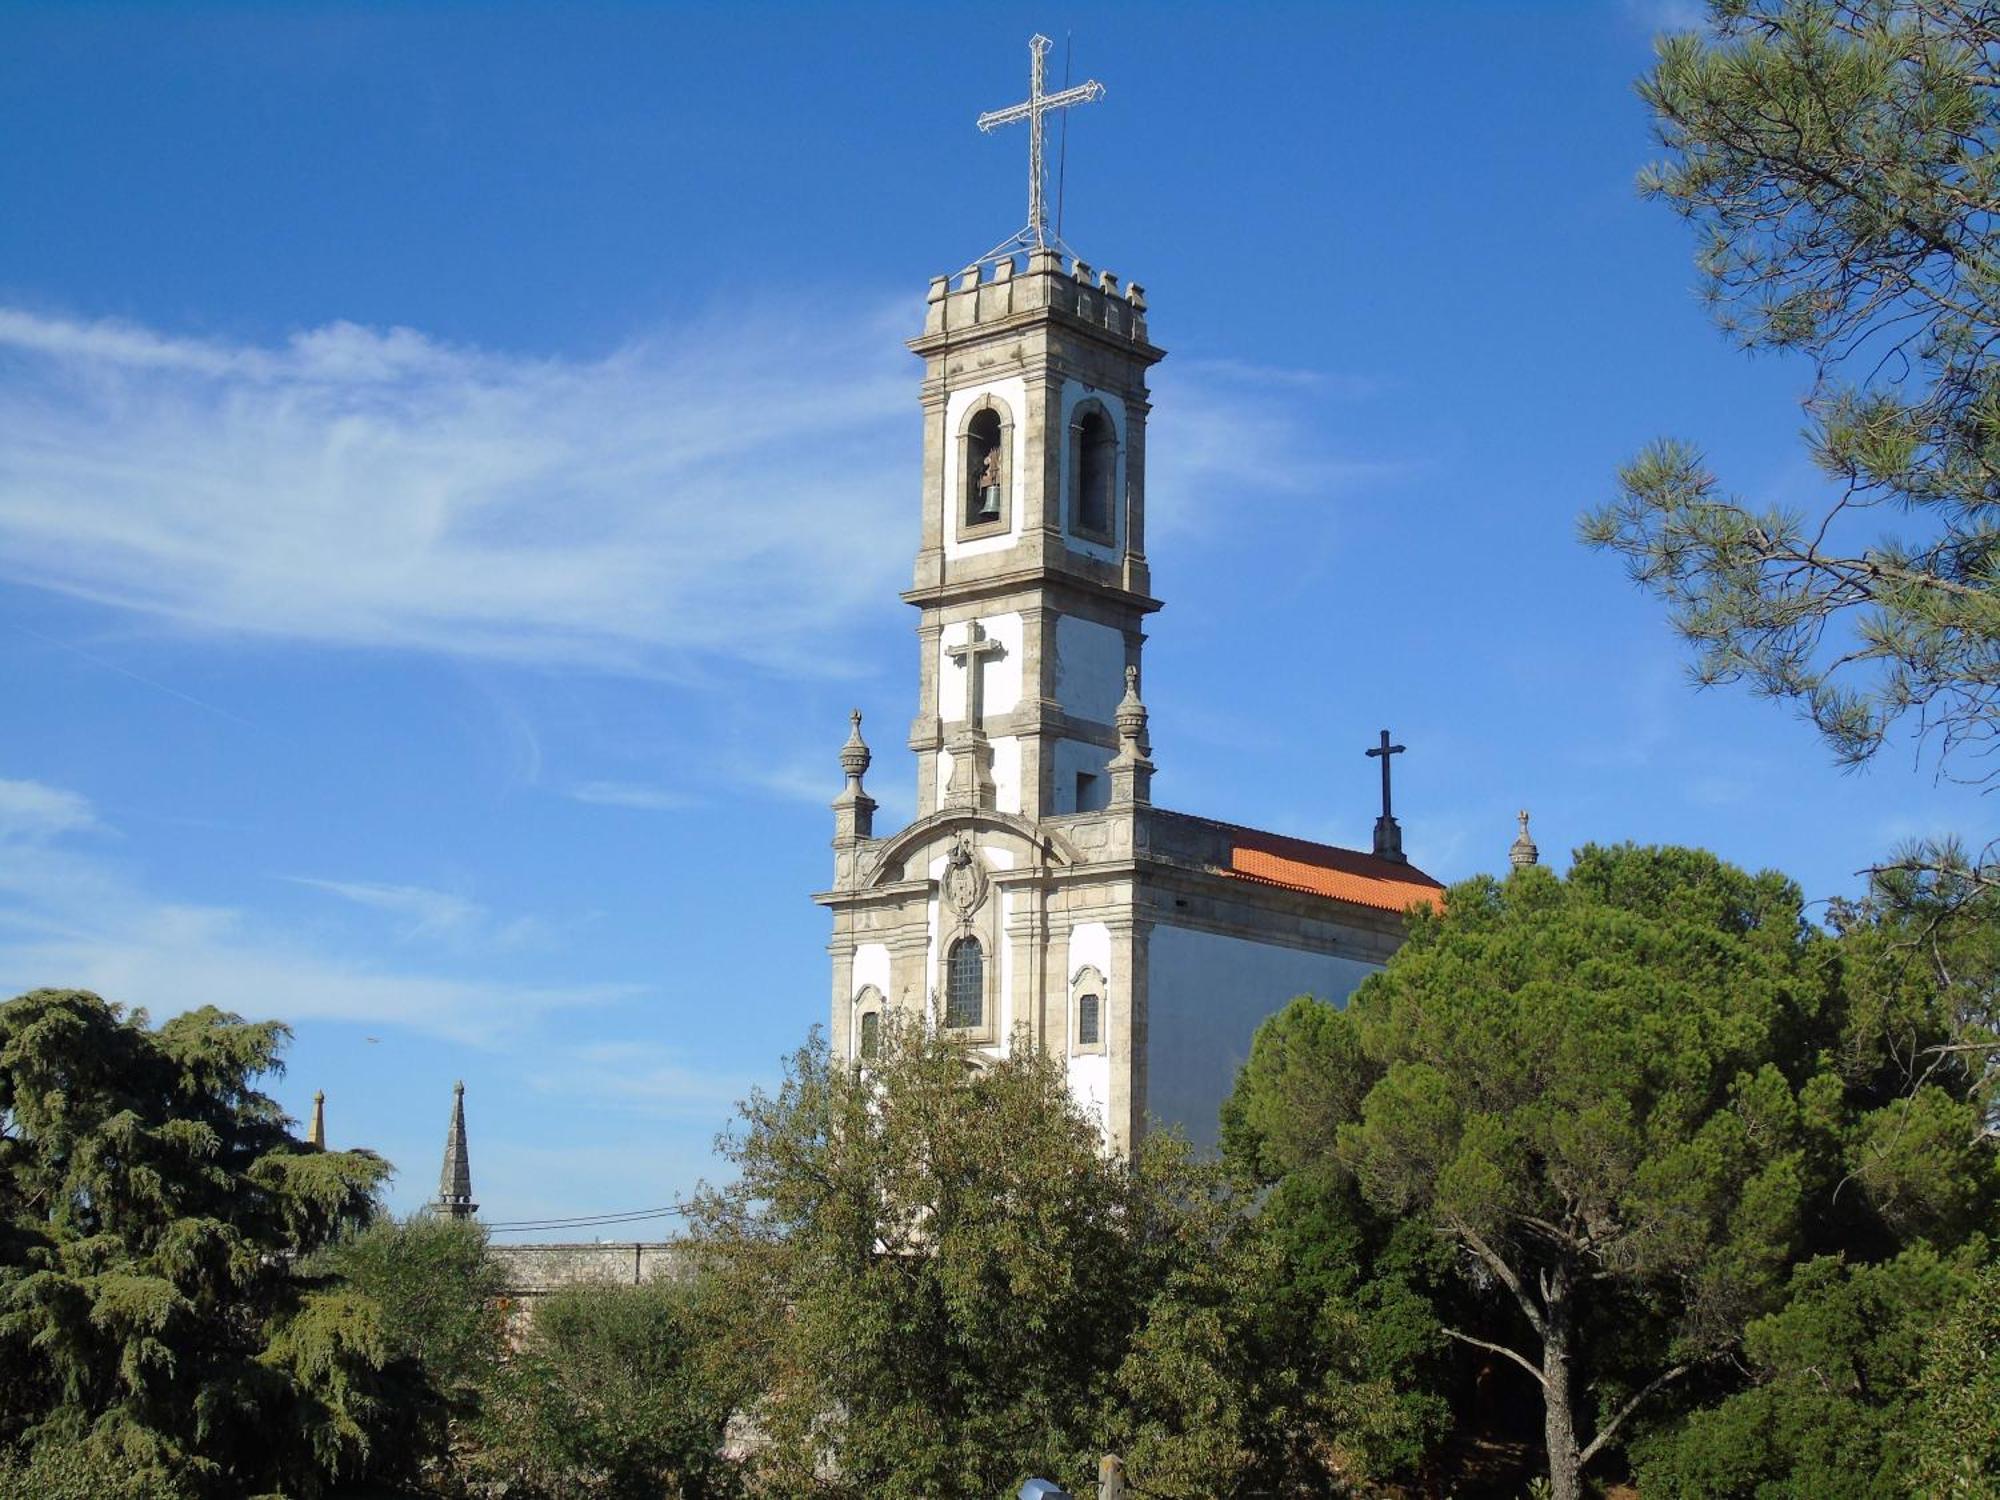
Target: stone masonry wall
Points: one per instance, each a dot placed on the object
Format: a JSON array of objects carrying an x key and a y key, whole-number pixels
[{"x": 534, "y": 1271}]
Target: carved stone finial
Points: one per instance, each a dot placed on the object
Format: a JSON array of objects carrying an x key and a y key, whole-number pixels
[
  {"x": 316, "y": 1132},
  {"x": 1131, "y": 714},
  {"x": 1132, "y": 767},
  {"x": 854, "y": 756},
  {"x": 1523, "y": 851},
  {"x": 854, "y": 809}
]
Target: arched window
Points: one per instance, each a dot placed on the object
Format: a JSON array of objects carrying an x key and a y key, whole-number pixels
[
  {"x": 1096, "y": 444},
  {"x": 867, "y": 1024},
  {"x": 965, "y": 985},
  {"x": 985, "y": 469},
  {"x": 1086, "y": 1010}
]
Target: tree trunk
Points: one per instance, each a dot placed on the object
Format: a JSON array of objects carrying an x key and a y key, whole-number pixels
[{"x": 1559, "y": 1416}]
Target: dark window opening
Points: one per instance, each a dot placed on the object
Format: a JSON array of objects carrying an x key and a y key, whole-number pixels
[
  {"x": 871, "y": 1035},
  {"x": 965, "y": 984},
  {"x": 1096, "y": 473},
  {"x": 1087, "y": 799},
  {"x": 982, "y": 469},
  {"x": 1086, "y": 1021}
]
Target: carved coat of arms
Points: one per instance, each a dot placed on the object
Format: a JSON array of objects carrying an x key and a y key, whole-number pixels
[{"x": 964, "y": 878}]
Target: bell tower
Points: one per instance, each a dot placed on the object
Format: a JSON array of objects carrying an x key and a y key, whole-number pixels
[
  {"x": 1038, "y": 897},
  {"x": 1031, "y": 574}
]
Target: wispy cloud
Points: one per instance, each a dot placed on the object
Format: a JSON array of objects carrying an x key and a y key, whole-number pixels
[
  {"x": 420, "y": 914},
  {"x": 70, "y": 916},
  {"x": 366, "y": 487},
  {"x": 1226, "y": 431},
  {"x": 644, "y": 1077},
  {"x": 379, "y": 488},
  {"x": 1225, "y": 370},
  {"x": 32, "y": 810},
  {"x": 631, "y": 794},
  {"x": 1667, "y": 15}
]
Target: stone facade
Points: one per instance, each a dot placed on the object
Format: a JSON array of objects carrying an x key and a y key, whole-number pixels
[
  {"x": 534, "y": 1271},
  {"x": 1038, "y": 898}
]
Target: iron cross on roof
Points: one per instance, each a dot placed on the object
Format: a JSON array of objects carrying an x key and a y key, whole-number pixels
[
  {"x": 1388, "y": 837},
  {"x": 1036, "y": 235},
  {"x": 1385, "y": 750}
]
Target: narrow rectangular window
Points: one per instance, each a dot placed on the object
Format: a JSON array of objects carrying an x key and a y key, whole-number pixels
[
  {"x": 1086, "y": 1021},
  {"x": 871, "y": 1035}
]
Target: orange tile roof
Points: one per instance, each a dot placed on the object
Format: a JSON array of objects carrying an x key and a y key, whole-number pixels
[{"x": 1323, "y": 870}]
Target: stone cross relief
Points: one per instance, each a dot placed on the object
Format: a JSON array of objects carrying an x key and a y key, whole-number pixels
[{"x": 972, "y": 653}]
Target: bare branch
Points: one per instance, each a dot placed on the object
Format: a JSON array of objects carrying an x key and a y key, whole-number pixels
[
  {"x": 1519, "y": 1359},
  {"x": 1611, "y": 1427}
]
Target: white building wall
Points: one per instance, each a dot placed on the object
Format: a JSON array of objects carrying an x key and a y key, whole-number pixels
[
  {"x": 871, "y": 966},
  {"x": 1090, "y": 1073},
  {"x": 1090, "y": 668},
  {"x": 1207, "y": 994},
  {"x": 1072, "y": 756}
]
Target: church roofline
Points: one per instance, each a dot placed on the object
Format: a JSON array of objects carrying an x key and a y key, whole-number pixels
[{"x": 1327, "y": 870}]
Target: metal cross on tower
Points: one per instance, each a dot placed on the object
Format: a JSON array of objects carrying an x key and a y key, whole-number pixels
[
  {"x": 1388, "y": 836},
  {"x": 1036, "y": 236}
]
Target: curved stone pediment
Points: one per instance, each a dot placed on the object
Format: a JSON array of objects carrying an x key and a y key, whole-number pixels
[{"x": 1027, "y": 842}]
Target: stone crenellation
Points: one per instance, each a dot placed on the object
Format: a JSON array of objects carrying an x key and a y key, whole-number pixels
[{"x": 993, "y": 291}]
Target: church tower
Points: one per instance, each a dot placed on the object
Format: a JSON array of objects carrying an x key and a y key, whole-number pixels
[
  {"x": 1031, "y": 572},
  {"x": 1038, "y": 898}
]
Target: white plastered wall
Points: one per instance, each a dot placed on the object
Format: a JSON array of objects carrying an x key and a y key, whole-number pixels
[
  {"x": 1090, "y": 668},
  {"x": 1013, "y": 393},
  {"x": 1072, "y": 756},
  {"x": 871, "y": 967},
  {"x": 1090, "y": 1074},
  {"x": 1206, "y": 995}
]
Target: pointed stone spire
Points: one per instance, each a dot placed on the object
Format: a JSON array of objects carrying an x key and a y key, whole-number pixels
[
  {"x": 455, "y": 1182},
  {"x": 316, "y": 1132},
  {"x": 854, "y": 809},
  {"x": 1523, "y": 851},
  {"x": 1132, "y": 767}
]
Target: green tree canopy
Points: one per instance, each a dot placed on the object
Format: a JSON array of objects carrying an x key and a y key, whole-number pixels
[
  {"x": 1833, "y": 1410},
  {"x": 1346, "y": 1331},
  {"x": 1838, "y": 159},
  {"x": 1595, "y": 1089},
  {"x": 154, "y": 1211},
  {"x": 444, "y": 1323},
  {"x": 620, "y": 1392},
  {"x": 936, "y": 1277}
]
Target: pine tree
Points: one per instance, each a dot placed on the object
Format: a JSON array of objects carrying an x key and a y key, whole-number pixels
[{"x": 155, "y": 1211}]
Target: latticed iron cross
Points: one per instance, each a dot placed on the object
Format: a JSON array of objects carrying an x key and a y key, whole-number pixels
[
  {"x": 1037, "y": 105},
  {"x": 1385, "y": 750}
]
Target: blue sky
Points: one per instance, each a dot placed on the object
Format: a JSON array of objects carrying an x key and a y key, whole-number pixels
[{"x": 457, "y": 464}]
